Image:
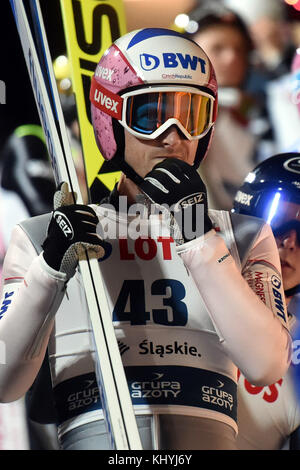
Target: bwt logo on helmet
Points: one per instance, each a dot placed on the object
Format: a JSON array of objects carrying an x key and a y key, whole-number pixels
[
  {"x": 172, "y": 60},
  {"x": 64, "y": 224}
]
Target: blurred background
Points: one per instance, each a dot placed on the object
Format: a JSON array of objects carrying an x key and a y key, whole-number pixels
[
  {"x": 20, "y": 107},
  {"x": 252, "y": 47}
]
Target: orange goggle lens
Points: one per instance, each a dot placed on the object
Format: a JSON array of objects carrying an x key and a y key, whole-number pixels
[{"x": 146, "y": 112}]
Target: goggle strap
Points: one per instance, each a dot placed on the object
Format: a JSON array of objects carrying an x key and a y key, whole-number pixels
[{"x": 105, "y": 100}]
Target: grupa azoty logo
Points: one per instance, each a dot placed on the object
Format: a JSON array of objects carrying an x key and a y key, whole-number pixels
[
  {"x": 156, "y": 388},
  {"x": 217, "y": 395}
]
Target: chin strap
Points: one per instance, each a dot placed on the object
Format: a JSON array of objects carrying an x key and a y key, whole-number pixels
[
  {"x": 292, "y": 291},
  {"x": 129, "y": 172}
]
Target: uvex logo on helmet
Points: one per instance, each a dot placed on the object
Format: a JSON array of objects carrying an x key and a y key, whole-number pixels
[
  {"x": 243, "y": 198},
  {"x": 104, "y": 72},
  {"x": 172, "y": 60},
  {"x": 64, "y": 224},
  {"x": 106, "y": 101}
]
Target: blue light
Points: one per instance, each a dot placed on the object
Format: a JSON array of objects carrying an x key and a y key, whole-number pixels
[{"x": 273, "y": 207}]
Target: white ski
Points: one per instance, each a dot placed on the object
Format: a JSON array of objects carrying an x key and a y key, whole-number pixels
[{"x": 116, "y": 400}]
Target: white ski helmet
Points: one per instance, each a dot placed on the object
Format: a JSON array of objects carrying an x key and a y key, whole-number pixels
[{"x": 145, "y": 82}]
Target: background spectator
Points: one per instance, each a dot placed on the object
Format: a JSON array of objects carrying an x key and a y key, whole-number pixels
[{"x": 243, "y": 135}]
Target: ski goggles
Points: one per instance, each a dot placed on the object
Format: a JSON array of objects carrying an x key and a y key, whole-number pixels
[{"x": 148, "y": 112}]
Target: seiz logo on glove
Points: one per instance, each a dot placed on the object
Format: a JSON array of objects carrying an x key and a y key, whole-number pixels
[
  {"x": 64, "y": 224},
  {"x": 71, "y": 233},
  {"x": 177, "y": 188},
  {"x": 198, "y": 198}
]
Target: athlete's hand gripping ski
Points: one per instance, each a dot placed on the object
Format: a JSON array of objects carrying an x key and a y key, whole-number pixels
[
  {"x": 178, "y": 188},
  {"x": 71, "y": 232}
]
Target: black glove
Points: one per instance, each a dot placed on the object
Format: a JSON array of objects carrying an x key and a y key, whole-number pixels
[
  {"x": 71, "y": 231},
  {"x": 178, "y": 187}
]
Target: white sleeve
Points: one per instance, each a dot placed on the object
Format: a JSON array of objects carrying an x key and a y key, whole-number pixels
[
  {"x": 31, "y": 295},
  {"x": 250, "y": 317}
]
